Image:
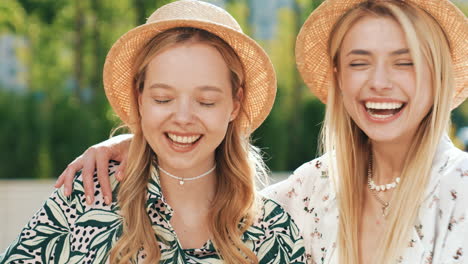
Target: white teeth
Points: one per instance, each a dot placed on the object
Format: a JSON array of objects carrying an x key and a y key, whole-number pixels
[
  {"x": 182, "y": 139},
  {"x": 181, "y": 145},
  {"x": 384, "y": 106},
  {"x": 380, "y": 116}
]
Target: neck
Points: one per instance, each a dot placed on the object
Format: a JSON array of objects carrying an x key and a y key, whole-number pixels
[
  {"x": 388, "y": 160},
  {"x": 196, "y": 194}
]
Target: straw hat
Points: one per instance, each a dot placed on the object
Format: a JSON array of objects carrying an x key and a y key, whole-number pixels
[
  {"x": 312, "y": 54},
  {"x": 260, "y": 78}
]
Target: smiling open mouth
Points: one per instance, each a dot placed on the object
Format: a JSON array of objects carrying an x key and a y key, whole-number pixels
[
  {"x": 384, "y": 110},
  {"x": 183, "y": 141}
]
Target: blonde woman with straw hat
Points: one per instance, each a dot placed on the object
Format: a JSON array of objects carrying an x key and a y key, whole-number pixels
[
  {"x": 391, "y": 187},
  {"x": 191, "y": 87}
]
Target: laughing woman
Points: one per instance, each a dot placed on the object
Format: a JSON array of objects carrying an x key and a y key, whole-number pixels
[
  {"x": 191, "y": 87},
  {"x": 391, "y": 187}
]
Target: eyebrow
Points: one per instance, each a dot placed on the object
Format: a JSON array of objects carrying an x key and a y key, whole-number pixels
[
  {"x": 160, "y": 85},
  {"x": 365, "y": 52},
  {"x": 400, "y": 51},
  {"x": 358, "y": 52},
  {"x": 210, "y": 88},
  {"x": 201, "y": 88}
]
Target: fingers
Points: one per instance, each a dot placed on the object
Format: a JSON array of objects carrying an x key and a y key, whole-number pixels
[
  {"x": 102, "y": 162},
  {"x": 68, "y": 181},
  {"x": 97, "y": 156},
  {"x": 60, "y": 179},
  {"x": 89, "y": 166},
  {"x": 67, "y": 176}
]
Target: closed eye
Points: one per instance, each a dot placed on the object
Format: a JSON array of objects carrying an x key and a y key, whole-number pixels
[
  {"x": 357, "y": 64},
  {"x": 207, "y": 104},
  {"x": 405, "y": 64},
  {"x": 162, "y": 101}
]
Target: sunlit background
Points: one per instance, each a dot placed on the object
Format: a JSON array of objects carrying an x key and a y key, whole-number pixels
[{"x": 52, "y": 104}]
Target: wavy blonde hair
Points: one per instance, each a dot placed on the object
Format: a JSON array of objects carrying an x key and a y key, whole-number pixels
[
  {"x": 234, "y": 204},
  {"x": 348, "y": 147}
]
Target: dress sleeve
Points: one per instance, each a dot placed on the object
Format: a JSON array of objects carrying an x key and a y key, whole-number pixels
[
  {"x": 296, "y": 192},
  {"x": 286, "y": 194},
  {"x": 66, "y": 230}
]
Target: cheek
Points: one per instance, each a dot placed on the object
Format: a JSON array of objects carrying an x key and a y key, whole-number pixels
[
  {"x": 217, "y": 121},
  {"x": 151, "y": 117},
  {"x": 350, "y": 105},
  {"x": 351, "y": 82},
  {"x": 407, "y": 80},
  {"x": 422, "y": 96},
  {"x": 350, "y": 92}
]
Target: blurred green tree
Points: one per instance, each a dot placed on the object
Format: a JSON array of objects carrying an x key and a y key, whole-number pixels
[{"x": 64, "y": 109}]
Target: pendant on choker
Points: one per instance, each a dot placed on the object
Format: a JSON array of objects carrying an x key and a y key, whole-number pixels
[{"x": 182, "y": 180}]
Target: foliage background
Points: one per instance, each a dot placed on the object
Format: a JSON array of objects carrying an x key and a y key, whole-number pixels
[{"x": 62, "y": 109}]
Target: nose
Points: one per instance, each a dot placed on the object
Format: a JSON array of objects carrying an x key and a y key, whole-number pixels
[
  {"x": 183, "y": 112},
  {"x": 380, "y": 79}
]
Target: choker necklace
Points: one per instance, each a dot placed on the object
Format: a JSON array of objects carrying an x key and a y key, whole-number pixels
[
  {"x": 375, "y": 189},
  {"x": 182, "y": 180}
]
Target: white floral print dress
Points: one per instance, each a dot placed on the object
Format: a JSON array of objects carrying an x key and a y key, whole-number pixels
[
  {"x": 68, "y": 231},
  {"x": 440, "y": 234}
]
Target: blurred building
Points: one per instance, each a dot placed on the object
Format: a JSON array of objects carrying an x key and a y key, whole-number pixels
[
  {"x": 263, "y": 23},
  {"x": 13, "y": 72}
]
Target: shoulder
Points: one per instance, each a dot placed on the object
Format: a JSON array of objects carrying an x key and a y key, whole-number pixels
[
  {"x": 453, "y": 171},
  {"x": 310, "y": 176},
  {"x": 313, "y": 173},
  {"x": 450, "y": 178},
  {"x": 447, "y": 206},
  {"x": 113, "y": 165},
  {"x": 315, "y": 167},
  {"x": 458, "y": 162},
  {"x": 269, "y": 211},
  {"x": 75, "y": 208},
  {"x": 454, "y": 178},
  {"x": 79, "y": 212},
  {"x": 67, "y": 228},
  {"x": 78, "y": 193}
]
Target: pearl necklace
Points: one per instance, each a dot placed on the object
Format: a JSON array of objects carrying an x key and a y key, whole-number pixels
[
  {"x": 182, "y": 180},
  {"x": 377, "y": 188},
  {"x": 382, "y": 187}
]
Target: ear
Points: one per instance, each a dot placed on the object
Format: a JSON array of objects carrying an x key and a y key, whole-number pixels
[{"x": 237, "y": 103}]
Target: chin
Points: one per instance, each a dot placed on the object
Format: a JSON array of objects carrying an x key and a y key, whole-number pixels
[
  {"x": 385, "y": 137},
  {"x": 177, "y": 164}
]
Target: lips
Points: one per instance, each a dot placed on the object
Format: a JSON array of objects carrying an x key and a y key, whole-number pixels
[
  {"x": 183, "y": 139},
  {"x": 383, "y": 110},
  {"x": 183, "y": 142}
]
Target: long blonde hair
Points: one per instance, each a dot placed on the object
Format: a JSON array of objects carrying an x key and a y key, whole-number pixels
[
  {"x": 348, "y": 147},
  {"x": 238, "y": 162}
]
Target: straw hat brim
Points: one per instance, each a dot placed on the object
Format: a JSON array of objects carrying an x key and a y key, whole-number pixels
[
  {"x": 311, "y": 46},
  {"x": 260, "y": 78}
]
